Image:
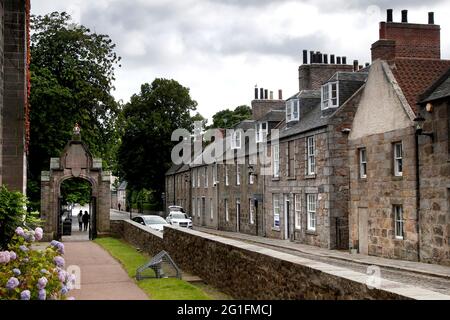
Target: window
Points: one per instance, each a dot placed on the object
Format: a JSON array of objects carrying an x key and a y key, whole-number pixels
[
  {"x": 276, "y": 211},
  {"x": 298, "y": 212},
  {"x": 211, "y": 208},
  {"x": 251, "y": 178},
  {"x": 198, "y": 178},
  {"x": 311, "y": 207},
  {"x": 399, "y": 222},
  {"x": 398, "y": 159},
  {"x": 291, "y": 159},
  {"x": 276, "y": 160},
  {"x": 238, "y": 174},
  {"x": 261, "y": 132},
  {"x": 215, "y": 173},
  {"x": 227, "y": 213},
  {"x": 292, "y": 110},
  {"x": 193, "y": 206},
  {"x": 311, "y": 151},
  {"x": 194, "y": 178},
  {"x": 236, "y": 140},
  {"x": 330, "y": 97},
  {"x": 227, "y": 181},
  {"x": 363, "y": 163},
  {"x": 206, "y": 177},
  {"x": 251, "y": 207},
  {"x": 199, "y": 207}
]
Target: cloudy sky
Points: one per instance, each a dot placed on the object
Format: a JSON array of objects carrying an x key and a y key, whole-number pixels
[{"x": 221, "y": 49}]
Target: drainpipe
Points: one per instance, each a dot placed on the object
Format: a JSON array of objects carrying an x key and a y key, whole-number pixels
[{"x": 418, "y": 195}]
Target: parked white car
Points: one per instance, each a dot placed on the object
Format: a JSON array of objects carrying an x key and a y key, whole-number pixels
[
  {"x": 179, "y": 219},
  {"x": 152, "y": 221}
]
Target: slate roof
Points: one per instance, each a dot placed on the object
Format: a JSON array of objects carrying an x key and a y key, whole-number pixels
[
  {"x": 273, "y": 116},
  {"x": 349, "y": 76},
  {"x": 415, "y": 76},
  {"x": 309, "y": 121},
  {"x": 439, "y": 90}
]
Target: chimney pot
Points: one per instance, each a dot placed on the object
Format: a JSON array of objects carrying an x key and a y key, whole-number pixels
[
  {"x": 256, "y": 93},
  {"x": 404, "y": 16},
  {"x": 320, "y": 58},
  {"x": 361, "y": 67},
  {"x": 266, "y": 94},
  {"x": 261, "y": 94},
  {"x": 344, "y": 60},
  {"x": 311, "y": 57},
  {"x": 332, "y": 59},
  {"x": 280, "y": 94},
  {"x": 305, "y": 56},
  {"x": 355, "y": 65},
  {"x": 271, "y": 95},
  {"x": 325, "y": 58},
  {"x": 367, "y": 64},
  {"x": 338, "y": 60},
  {"x": 390, "y": 15},
  {"x": 430, "y": 17}
]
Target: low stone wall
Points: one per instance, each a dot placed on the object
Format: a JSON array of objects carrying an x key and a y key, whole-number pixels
[{"x": 246, "y": 271}]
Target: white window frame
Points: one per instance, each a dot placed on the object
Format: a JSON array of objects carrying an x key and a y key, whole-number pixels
[
  {"x": 363, "y": 163},
  {"x": 276, "y": 160},
  {"x": 276, "y": 209},
  {"x": 399, "y": 222},
  {"x": 238, "y": 174},
  {"x": 199, "y": 178},
  {"x": 236, "y": 141},
  {"x": 398, "y": 159},
  {"x": 211, "y": 208},
  {"x": 261, "y": 133},
  {"x": 251, "y": 179},
  {"x": 298, "y": 211},
  {"x": 227, "y": 178},
  {"x": 311, "y": 207},
  {"x": 251, "y": 211},
  {"x": 330, "y": 97},
  {"x": 311, "y": 155},
  {"x": 292, "y": 110},
  {"x": 194, "y": 201},
  {"x": 206, "y": 177},
  {"x": 194, "y": 178},
  {"x": 215, "y": 174},
  {"x": 227, "y": 212},
  {"x": 199, "y": 207}
]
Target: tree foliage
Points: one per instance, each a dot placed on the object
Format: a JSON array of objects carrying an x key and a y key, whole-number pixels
[
  {"x": 72, "y": 75},
  {"x": 76, "y": 191},
  {"x": 227, "y": 119},
  {"x": 150, "y": 118}
]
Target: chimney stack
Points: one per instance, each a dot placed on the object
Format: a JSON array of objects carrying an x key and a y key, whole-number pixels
[
  {"x": 355, "y": 65},
  {"x": 404, "y": 16},
  {"x": 280, "y": 94},
  {"x": 305, "y": 56},
  {"x": 390, "y": 15},
  {"x": 332, "y": 59},
  {"x": 430, "y": 17},
  {"x": 256, "y": 93}
]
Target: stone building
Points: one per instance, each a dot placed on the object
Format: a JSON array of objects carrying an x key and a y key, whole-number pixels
[
  {"x": 14, "y": 91},
  {"x": 383, "y": 213},
  {"x": 178, "y": 190},
  {"x": 308, "y": 189},
  {"x": 434, "y": 184}
]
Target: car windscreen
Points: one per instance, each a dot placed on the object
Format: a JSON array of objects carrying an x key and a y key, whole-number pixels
[
  {"x": 178, "y": 216},
  {"x": 154, "y": 220}
]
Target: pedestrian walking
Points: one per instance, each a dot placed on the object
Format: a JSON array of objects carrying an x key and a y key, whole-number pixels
[
  {"x": 80, "y": 220},
  {"x": 119, "y": 205},
  {"x": 86, "y": 219}
]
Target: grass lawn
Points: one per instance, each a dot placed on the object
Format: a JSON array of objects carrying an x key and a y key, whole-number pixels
[{"x": 156, "y": 289}]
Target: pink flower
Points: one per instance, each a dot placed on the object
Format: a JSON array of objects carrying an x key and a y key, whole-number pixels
[
  {"x": 12, "y": 255},
  {"x": 5, "y": 257},
  {"x": 38, "y": 234},
  {"x": 20, "y": 232}
]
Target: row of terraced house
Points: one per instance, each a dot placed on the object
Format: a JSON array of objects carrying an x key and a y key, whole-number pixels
[{"x": 357, "y": 160}]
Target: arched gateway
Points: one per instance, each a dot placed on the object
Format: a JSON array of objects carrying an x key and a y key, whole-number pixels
[{"x": 76, "y": 161}]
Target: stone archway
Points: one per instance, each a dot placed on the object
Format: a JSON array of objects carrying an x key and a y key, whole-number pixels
[{"x": 76, "y": 161}]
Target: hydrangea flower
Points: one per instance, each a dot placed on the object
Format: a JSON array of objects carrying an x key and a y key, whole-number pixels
[
  {"x": 12, "y": 255},
  {"x": 64, "y": 290},
  {"x": 12, "y": 283},
  {"x": 42, "y": 282},
  {"x": 25, "y": 295},
  {"x": 44, "y": 271},
  {"x": 54, "y": 243},
  {"x": 5, "y": 256},
  {"x": 23, "y": 248},
  {"x": 38, "y": 233},
  {"x": 59, "y": 261},
  {"x": 42, "y": 294},
  {"x": 17, "y": 272},
  {"x": 60, "y": 247},
  {"x": 62, "y": 275},
  {"x": 20, "y": 232}
]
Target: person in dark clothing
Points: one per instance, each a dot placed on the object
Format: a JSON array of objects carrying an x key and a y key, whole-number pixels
[
  {"x": 86, "y": 219},
  {"x": 80, "y": 220},
  {"x": 119, "y": 205}
]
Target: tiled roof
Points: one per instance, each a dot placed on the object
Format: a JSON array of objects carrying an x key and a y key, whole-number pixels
[{"x": 415, "y": 76}]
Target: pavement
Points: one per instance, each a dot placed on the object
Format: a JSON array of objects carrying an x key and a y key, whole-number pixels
[{"x": 102, "y": 277}]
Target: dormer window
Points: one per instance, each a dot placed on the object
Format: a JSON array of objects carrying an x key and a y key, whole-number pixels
[
  {"x": 236, "y": 140},
  {"x": 292, "y": 110},
  {"x": 330, "y": 97},
  {"x": 261, "y": 132}
]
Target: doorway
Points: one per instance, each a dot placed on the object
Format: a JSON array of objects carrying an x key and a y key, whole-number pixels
[
  {"x": 363, "y": 230},
  {"x": 287, "y": 228},
  {"x": 77, "y": 211}
]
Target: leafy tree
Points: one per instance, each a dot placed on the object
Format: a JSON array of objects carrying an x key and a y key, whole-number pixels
[
  {"x": 199, "y": 117},
  {"x": 76, "y": 191},
  {"x": 72, "y": 74},
  {"x": 227, "y": 119},
  {"x": 150, "y": 118}
]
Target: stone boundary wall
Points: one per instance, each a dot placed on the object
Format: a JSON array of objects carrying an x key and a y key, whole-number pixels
[{"x": 246, "y": 271}]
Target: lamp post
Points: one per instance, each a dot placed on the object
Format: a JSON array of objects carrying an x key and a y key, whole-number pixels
[{"x": 419, "y": 122}]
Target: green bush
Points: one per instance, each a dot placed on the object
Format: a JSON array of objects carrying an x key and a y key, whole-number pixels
[{"x": 27, "y": 274}]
